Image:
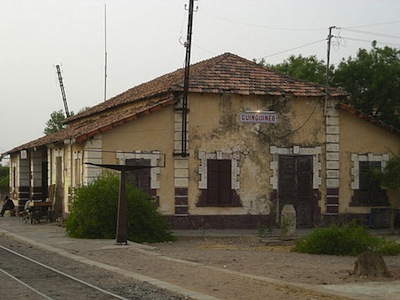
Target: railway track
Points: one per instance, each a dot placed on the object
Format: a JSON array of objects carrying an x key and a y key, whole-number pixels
[{"x": 23, "y": 276}]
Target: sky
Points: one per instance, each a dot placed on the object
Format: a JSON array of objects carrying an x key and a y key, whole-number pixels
[{"x": 144, "y": 39}]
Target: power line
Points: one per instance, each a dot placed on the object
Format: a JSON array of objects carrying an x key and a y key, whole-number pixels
[
  {"x": 295, "y": 48},
  {"x": 348, "y": 38},
  {"x": 204, "y": 49},
  {"x": 369, "y": 41},
  {"x": 372, "y": 25},
  {"x": 267, "y": 27},
  {"x": 373, "y": 33}
]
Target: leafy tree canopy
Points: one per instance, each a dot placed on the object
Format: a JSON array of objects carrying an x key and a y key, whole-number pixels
[
  {"x": 373, "y": 80},
  {"x": 390, "y": 177},
  {"x": 55, "y": 123},
  {"x": 307, "y": 68}
]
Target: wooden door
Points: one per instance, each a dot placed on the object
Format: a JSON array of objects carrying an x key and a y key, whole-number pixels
[
  {"x": 59, "y": 198},
  {"x": 295, "y": 187}
]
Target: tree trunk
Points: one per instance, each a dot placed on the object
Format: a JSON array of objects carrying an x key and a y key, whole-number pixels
[{"x": 370, "y": 265}]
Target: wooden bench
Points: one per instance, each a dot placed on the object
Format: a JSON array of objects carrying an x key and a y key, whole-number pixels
[{"x": 40, "y": 209}]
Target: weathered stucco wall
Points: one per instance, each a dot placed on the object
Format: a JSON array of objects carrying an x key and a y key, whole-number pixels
[
  {"x": 214, "y": 126},
  {"x": 154, "y": 132},
  {"x": 360, "y": 137}
]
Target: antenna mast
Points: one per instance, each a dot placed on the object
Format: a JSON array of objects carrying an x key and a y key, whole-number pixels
[
  {"x": 62, "y": 91},
  {"x": 105, "y": 52}
]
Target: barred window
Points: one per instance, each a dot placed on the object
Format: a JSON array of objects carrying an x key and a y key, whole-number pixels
[
  {"x": 369, "y": 192},
  {"x": 219, "y": 189}
]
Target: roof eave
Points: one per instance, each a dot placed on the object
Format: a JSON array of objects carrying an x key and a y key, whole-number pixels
[
  {"x": 368, "y": 118},
  {"x": 122, "y": 121}
]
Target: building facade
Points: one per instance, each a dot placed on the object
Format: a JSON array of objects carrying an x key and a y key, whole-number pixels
[{"x": 253, "y": 141}]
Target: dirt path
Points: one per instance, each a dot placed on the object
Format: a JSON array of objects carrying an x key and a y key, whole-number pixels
[{"x": 236, "y": 268}]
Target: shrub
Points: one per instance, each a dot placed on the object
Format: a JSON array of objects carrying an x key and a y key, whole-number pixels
[
  {"x": 93, "y": 213},
  {"x": 349, "y": 239},
  {"x": 387, "y": 247}
]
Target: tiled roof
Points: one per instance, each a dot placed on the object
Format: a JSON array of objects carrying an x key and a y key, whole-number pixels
[
  {"x": 226, "y": 73},
  {"x": 90, "y": 129}
]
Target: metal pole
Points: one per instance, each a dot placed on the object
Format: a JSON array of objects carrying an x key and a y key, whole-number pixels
[
  {"x": 105, "y": 52},
  {"x": 64, "y": 97},
  {"x": 122, "y": 222},
  {"x": 328, "y": 54},
  {"x": 188, "y": 46},
  {"x": 328, "y": 58}
]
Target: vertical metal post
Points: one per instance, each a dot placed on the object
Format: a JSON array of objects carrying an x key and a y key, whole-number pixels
[
  {"x": 122, "y": 225},
  {"x": 328, "y": 54},
  {"x": 64, "y": 97},
  {"x": 328, "y": 58},
  {"x": 105, "y": 52},
  {"x": 122, "y": 221},
  {"x": 188, "y": 46}
]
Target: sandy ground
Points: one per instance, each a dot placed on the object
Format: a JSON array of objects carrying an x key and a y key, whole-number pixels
[
  {"x": 231, "y": 267},
  {"x": 255, "y": 256}
]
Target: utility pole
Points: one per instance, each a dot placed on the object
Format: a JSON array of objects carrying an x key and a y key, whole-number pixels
[
  {"x": 188, "y": 46},
  {"x": 62, "y": 91},
  {"x": 329, "y": 39}
]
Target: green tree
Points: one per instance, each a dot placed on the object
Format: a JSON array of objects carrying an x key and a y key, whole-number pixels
[
  {"x": 306, "y": 68},
  {"x": 373, "y": 80},
  {"x": 390, "y": 179},
  {"x": 55, "y": 123}
]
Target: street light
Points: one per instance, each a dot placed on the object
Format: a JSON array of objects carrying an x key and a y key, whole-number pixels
[{"x": 122, "y": 226}]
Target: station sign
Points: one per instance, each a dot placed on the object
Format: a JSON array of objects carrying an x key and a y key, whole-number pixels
[
  {"x": 258, "y": 117},
  {"x": 24, "y": 154}
]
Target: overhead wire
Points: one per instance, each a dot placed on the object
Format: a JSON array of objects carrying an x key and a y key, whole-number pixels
[
  {"x": 295, "y": 48},
  {"x": 351, "y": 29},
  {"x": 267, "y": 27},
  {"x": 372, "y": 25},
  {"x": 370, "y": 41},
  {"x": 372, "y": 33},
  {"x": 201, "y": 48}
]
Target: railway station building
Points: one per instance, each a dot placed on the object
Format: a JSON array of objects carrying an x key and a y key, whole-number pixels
[{"x": 250, "y": 141}]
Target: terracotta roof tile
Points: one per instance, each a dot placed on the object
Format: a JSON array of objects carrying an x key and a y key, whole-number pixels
[
  {"x": 226, "y": 73},
  {"x": 86, "y": 130}
]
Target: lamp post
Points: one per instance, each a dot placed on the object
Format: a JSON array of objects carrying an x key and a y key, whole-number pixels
[{"x": 122, "y": 225}]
